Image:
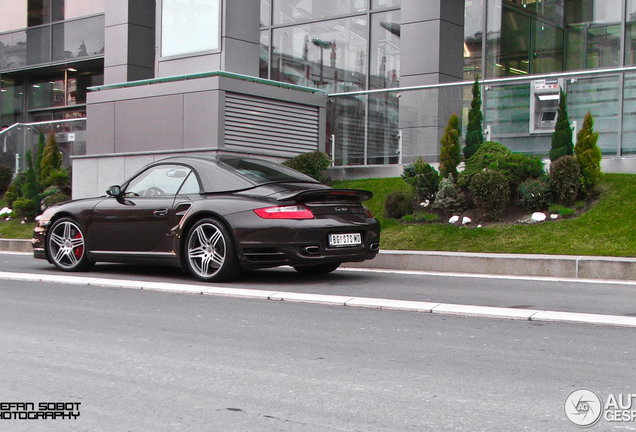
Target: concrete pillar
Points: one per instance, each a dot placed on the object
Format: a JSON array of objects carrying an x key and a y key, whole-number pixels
[
  {"x": 129, "y": 40},
  {"x": 431, "y": 53}
]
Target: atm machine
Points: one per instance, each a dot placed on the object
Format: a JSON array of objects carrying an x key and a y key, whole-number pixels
[{"x": 544, "y": 103}]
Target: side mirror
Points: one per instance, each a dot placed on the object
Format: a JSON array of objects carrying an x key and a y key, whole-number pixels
[{"x": 114, "y": 191}]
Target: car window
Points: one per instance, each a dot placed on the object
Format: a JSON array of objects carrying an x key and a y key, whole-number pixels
[
  {"x": 262, "y": 171},
  {"x": 190, "y": 186},
  {"x": 162, "y": 180}
]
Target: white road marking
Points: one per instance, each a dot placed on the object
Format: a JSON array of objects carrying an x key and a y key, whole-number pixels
[{"x": 360, "y": 302}]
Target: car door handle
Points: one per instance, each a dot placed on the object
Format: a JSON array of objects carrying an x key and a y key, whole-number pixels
[{"x": 160, "y": 212}]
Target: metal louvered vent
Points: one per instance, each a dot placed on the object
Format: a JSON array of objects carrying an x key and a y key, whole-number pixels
[{"x": 261, "y": 124}]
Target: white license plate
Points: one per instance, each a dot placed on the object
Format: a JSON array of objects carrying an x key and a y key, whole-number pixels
[{"x": 341, "y": 240}]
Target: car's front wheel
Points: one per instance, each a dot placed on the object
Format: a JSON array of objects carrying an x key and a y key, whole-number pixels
[
  {"x": 210, "y": 253},
  {"x": 66, "y": 246},
  {"x": 317, "y": 269}
]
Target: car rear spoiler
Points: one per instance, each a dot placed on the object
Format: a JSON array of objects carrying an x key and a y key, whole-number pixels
[{"x": 329, "y": 195}]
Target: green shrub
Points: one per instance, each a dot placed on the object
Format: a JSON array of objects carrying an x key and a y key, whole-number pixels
[
  {"x": 488, "y": 152},
  {"x": 518, "y": 168},
  {"x": 474, "y": 130},
  {"x": 449, "y": 198},
  {"x": 6, "y": 175},
  {"x": 561, "y": 210},
  {"x": 449, "y": 151},
  {"x": 424, "y": 179},
  {"x": 588, "y": 154},
  {"x": 52, "y": 195},
  {"x": 311, "y": 164},
  {"x": 535, "y": 193},
  {"x": 25, "y": 207},
  {"x": 491, "y": 192},
  {"x": 565, "y": 179},
  {"x": 398, "y": 204},
  {"x": 10, "y": 196}
]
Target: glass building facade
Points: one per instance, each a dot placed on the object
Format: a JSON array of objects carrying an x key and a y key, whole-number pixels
[
  {"x": 51, "y": 51},
  {"x": 352, "y": 49}
]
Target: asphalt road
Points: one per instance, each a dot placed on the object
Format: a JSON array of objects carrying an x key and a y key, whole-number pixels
[{"x": 144, "y": 360}]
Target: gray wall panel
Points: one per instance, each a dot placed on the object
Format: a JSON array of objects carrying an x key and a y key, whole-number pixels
[
  {"x": 100, "y": 127},
  {"x": 200, "y": 121},
  {"x": 149, "y": 125}
]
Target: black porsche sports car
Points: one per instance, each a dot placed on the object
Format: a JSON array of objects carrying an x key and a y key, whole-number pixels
[{"x": 213, "y": 217}]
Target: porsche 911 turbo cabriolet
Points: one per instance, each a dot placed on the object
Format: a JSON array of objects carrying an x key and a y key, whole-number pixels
[{"x": 214, "y": 217}]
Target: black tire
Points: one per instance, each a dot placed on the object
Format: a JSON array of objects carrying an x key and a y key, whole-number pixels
[
  {"x": 210, "y": 253},
  {"x": 317, "y": 269},
  {"x": 66, "y": 247}
]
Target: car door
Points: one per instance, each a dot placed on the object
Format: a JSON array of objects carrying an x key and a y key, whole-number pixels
[{"x": 140, "y": 219}]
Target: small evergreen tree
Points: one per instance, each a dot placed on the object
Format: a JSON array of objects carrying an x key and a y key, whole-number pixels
[
  {"x": 588, "y": 154},
  {"x": 30, "y": 186},
  {"x": 449, "y": 152},
  {"x": 562, "y": 135},
  {"x": 52, "y": 158},
  {"x": 474, "y": 130},
  {"x": 38, "y": 160},
  {"x": 424, "y": 179}
]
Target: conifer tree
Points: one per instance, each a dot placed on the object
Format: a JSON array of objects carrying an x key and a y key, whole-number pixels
[
  {"x": 449, "y": 152},
  {"x": 52, "y": 159},
  {"x": 587, "y": 153},
  {"x": 562, "y": 135},
  {"x": 40, "y": 155},
  {"x": 474, "y": 130}
]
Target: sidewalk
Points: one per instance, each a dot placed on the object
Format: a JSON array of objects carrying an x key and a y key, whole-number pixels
[{"x": 564, "y": 266}]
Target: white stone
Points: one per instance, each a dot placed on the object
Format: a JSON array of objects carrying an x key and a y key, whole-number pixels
[
  {"x": 466, "y": 220},
  {"x": 538, "y": 217},
  {"x": 424, "y": 203},
  {"x": 554, "y": 216},
  {"x": 453, "y": 219},
  {"x": 5, "y": 210}
]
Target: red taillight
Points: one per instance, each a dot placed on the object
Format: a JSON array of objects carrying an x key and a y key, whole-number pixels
[
  {"x": 285, "y": 212},
  {"x": 368, "y": 212}
]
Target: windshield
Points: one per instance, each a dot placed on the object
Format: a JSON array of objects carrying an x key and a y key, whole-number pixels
[{"x": 262, "y": 171}]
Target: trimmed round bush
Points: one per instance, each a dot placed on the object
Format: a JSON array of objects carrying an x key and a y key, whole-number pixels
[
  {"x": 535, "y": 193},
  {"x": 491, "y": 192},
  {"x": 488, "y": 152},
  {"x": 449, "y": 197},
  {"x": 566, "y": 180},
  {"x": 398, "y": 204}
]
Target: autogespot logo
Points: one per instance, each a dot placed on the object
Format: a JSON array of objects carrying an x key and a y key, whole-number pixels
[{"x": 583, "y": 407}]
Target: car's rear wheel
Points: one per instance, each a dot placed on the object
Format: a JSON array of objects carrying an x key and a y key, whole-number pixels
[
  {"x": 210, "y": 252},
  {"x": 317, "y": 269},
  {"x": 66, "y": 246}
]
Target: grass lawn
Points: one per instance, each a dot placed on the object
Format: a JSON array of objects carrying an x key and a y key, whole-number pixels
[
  {"x": 13, "y": 229},
  {"x": 607, "y": 229}
]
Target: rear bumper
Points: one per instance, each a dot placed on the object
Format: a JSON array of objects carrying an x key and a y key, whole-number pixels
[{"x": 306, "y": 243}]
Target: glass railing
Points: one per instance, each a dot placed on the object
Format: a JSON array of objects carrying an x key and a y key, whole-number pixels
[
  {"x": 393, "y": 126},
  {"x": 19, "y": 138}
]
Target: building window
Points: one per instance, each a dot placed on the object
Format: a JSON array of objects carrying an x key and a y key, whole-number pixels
[
  {"x": 331, "y": 54},
  {"x": 292, "y": 11},
  {"x": 190, "y": 26}
]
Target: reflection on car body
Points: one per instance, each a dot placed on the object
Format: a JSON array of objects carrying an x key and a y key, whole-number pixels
[{"x": 214, "y": 217}]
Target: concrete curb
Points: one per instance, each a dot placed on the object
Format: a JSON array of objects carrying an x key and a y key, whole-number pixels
[
  {"x": 558, "y": 266},
  {"x": 15, "y": 245},
  {"x": 336, "y": 300}
]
